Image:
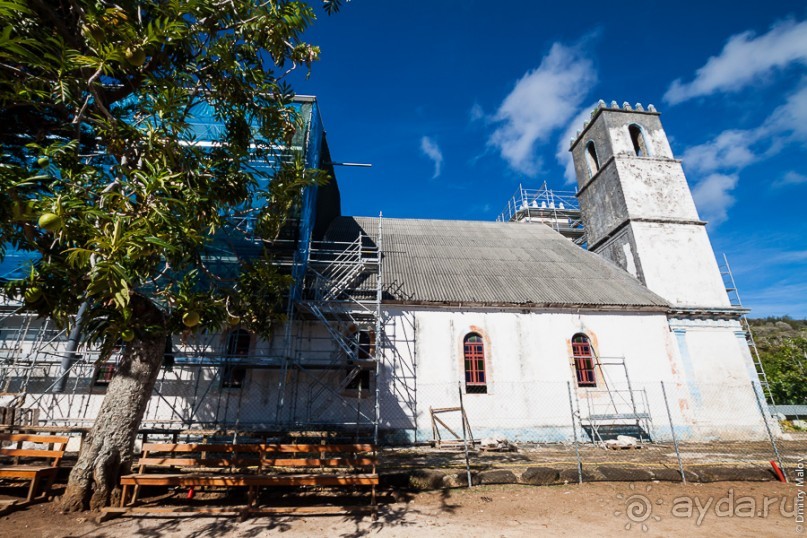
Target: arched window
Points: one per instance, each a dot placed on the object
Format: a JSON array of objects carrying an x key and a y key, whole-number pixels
[
  {"x": 474, "y": 352},
  {"x": 583, "y": 361},
  {"x": 238, "y": 343},
  {"x": 232, "y": 373},
  {"x": 591, "y": 159},
  {"x": 637, "y": 138}
]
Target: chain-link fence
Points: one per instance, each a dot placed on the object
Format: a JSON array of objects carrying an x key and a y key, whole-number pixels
[
  {"x": 660, "y": 430},
  {"x": 663, "y": 430}
]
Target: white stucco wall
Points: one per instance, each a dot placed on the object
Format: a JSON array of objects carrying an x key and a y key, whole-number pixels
[
  {"x": 529, "y": 366},
  {"x": 705, "y": 366}
]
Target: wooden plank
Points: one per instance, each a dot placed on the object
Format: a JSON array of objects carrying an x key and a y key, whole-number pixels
[
  {"x": 32, "y": 438},
  {"x": 176, "y": 510},
  {"x": 249, "y": 480},
  {"x": 31, "y": 453},
  {"x": 110, "y": 513},
  {"x": 319, "y": 448},
  {"x": 201, "y": 447},
  {"x": 445, "y": 409},
  {"x": 320, "y": 462},
  {"x": 313, "y": 480},
  {"x": 446, "y": 427},
  {"x": 184, "y": 479},
  {"x": 198, "y": 462},
  {"x": 26, "y": 474},
  {"x": 192, "y": 447},
  {"x": 310, "y": 510}
]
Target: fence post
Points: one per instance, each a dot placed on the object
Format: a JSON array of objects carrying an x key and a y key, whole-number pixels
[
  {"x": 574, "y": 430},
  {"x": 768, "y": 428},
  {"x": 672, "y": 431},
  {"x": 464, "y": 435}
]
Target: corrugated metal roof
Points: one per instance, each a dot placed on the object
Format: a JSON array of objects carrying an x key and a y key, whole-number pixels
[{"x": 496, "y": 263}]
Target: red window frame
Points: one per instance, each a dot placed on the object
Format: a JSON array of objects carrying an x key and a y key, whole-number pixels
[
  {"x": 583, "y": 361},
  {"x": 474, "y": 355},
  {"x": 104, "y": 374}
]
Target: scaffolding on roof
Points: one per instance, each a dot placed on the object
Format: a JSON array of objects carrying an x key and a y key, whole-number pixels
[{"x": 557, "y": 209}]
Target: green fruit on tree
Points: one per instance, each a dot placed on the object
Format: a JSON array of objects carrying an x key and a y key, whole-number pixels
[
  {"x": 136, "y": 57},
  {"x": 50, "y": 222},
  {"x": 191, "y": 319},
  {"x": 233, "y": 320},
  {"x": 127, "y": 335},
  {"x": 32, "y": 295},
  {"x": 43, "y": 161}
]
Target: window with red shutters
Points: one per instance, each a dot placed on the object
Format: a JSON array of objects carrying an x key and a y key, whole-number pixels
[
  {"x": 475, "y": 378},
  {"x": 583, "y": 361}
]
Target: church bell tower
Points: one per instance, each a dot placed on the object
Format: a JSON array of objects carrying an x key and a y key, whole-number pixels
[{"x": 638, "y": 209}]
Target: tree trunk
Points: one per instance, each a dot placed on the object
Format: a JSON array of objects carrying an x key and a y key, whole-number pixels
[{"x": 107, "y": 451}]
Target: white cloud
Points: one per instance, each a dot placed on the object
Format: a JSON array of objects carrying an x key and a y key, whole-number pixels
[
  {"x": 542, "y": 101},
  {"x": 789, "y": 179},
  {"x": 713, "y": 196},
  {"x": 563, "y": 155},
  {"x": 734, "y": 149},
  {"x": 745, "y": 58},
  {"x": 791, "y": 116},
  {"x": 431, "y": 150},
  {"x": 476, "y": 113}
]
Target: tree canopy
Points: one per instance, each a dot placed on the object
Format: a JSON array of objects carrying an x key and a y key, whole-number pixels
[
  {"x": 104, "y": 177},
  {"x": 782, "y": 344},
  {"x": 101, "y": 173}
]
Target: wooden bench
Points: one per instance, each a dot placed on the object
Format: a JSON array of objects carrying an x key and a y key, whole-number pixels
[
  {"x": 32, "y": 463},
  {"x": 253, "y": 466}
]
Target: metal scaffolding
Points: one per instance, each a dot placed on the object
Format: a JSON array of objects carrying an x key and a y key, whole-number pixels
[
  {"x": 325, "y": 367},
  {"x": 341, "y": 296},
  {"x": 557, "y": 209},
  {"x": 615, "y": 407}
]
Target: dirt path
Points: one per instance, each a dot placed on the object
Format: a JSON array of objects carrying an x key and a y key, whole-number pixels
[{"x": 725, "y": 509}]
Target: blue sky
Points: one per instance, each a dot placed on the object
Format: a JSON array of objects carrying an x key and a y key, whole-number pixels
[{"x": 456, "y": 103}]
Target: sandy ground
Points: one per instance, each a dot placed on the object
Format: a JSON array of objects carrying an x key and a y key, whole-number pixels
[{"x": 602, "y": 509}]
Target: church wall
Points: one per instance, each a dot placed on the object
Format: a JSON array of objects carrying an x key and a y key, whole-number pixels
[
  {"x": 717, "y": 366},
  {"x": 529, "y": 365},
  {"x": 705, "y": 366}
]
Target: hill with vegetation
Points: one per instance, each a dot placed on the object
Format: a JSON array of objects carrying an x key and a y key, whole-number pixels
[{"x": 782, "y": 345}]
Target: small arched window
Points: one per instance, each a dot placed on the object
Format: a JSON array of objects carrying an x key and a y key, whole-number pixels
[
  {"x": 638, "y": 140},
  {"x": 591, "y": 159},
  {"x": 238, "y": 343},
  {"x": 476, "y": 381},
  {"x": 583, "y": 361}
]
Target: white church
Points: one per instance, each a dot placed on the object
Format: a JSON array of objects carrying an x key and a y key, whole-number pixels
[{"x": 390, "y": 321}]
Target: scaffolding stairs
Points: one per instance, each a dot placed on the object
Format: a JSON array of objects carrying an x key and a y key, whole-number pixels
[
  {"x": 341, "y": 273},
  {"x": 613, "y": 411},
  {"x": 338, "y": 295},
  {"x": 735, "y": 300}
]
